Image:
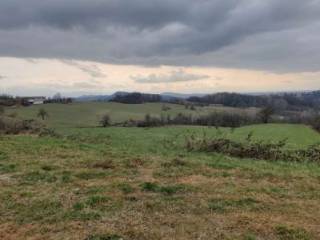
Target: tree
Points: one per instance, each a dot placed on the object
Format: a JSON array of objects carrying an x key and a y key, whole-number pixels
[
  {"x": 105, "y": 120},
  {"x": 266, "y": 113},
  {"x": 57, "y": 96},
  {"x": 315, "y": 121},
  {"x": 42, "y": 113}
]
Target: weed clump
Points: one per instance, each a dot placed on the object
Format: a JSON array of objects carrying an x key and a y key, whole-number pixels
[
  {"x": 104, "y": 237},
  {"x": 96, "y": 200},
  {"x": 87, "y": 175},
  {"x": 126, "y": 188},
  {"x": 223, "y": 205},
  {"x": 3, "y": 156},
  {"x": 168, "y": 190},
  {"x": 7, "y": 168},
  {"x": 286, "y": 233},
  {"x": 149, "y": 187},
  {"x": 176, "y": 162},
  {"x": 106, "y": 164},
  {"x": 12, "y": 125},
  {"x": 38, "y": 176}
]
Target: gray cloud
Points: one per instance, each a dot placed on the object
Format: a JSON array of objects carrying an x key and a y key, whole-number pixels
[
  {"x": 271, "y": 34},
  {"x": 174, "y": 76}
]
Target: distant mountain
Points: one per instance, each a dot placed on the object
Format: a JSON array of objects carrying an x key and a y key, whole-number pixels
[{"x": 99, "y": 98}]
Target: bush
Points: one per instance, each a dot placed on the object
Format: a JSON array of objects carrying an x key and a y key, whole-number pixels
[
  {"x": 315, "y": 122},
  {"x": 150, "y": 121},
  {"x": 105, "y": 120},
  {"x": 217, "y": 119},
  {"x": 165, "y": 108},
  {"x": 42, "y": 113},
  {"x": 257, "y": 150},
  {"x": 266, "y": 113},
  {"x": 9, "y": 125}
]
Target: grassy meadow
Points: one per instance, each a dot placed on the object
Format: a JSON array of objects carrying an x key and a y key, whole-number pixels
[
  {"x": 87, "y": 114},
  {"x": 116, "y": 183}
]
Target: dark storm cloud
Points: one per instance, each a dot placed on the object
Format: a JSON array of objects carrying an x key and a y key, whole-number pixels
[
  {"x": 174, "y": 76},
  {"x": 229, "y": 33}
]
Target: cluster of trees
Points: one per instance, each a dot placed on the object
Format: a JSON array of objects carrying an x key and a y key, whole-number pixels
[
  {"x": 279, "y": 102},
  {"x": 231, "y": 100},
  {"x": 217, "y": 119},
  {"x": 287, "y": 101},
  {"x": 136, "y": 98},
  {"x": 58, "y": 98},
  {"x": 8, "y": 101},
  {"x": 10, "y": 124}
]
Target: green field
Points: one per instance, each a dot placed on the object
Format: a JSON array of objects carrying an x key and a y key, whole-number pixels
[
  {"x": 89, "y": 114},
  {"x": 113, "y": 183}
]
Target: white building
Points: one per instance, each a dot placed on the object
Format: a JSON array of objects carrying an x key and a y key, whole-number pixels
[{"x": 35, "y": 100}]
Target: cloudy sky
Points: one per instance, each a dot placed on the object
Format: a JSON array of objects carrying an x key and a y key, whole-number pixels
[{"x": 101, "y": 46}]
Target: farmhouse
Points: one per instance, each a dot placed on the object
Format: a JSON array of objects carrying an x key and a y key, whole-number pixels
[{"x": 35, "y": 100}]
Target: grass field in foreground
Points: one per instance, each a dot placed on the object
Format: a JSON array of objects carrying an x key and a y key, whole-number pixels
[
  {"x": 88, "y": 114},
  {"x": 131, "y": 183}
]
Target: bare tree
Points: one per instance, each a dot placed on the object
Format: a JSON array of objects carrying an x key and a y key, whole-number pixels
[
  {"x": 42, "y": 113},
  {"x": 105, "y": 120},
  {"x": 266, "y": 113}
]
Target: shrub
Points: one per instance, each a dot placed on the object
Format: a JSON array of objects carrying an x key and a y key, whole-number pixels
[
  {"x": 266, "y": 113},
  {"x": 42, "y": 113},
  {"x": 257, "y": 150},
  {"x": 165, "y": 108},
  {"x": 315, "y": 122},
  {"x": 105, "y": 120},
  {"x": 150, "y": 121},
  {"x": 9, "y": 125},
  {"x": 217, "y": 119}
]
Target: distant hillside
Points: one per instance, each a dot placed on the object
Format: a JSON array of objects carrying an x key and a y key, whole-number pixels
[
  {"x": 99, "y": 98},
  {"x": 281, "y": 101},
  {"x": 284, "y": 101},
  {"x": 136, "y": 98}
]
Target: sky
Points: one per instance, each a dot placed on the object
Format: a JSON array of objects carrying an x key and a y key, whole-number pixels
[{"x": 81, "y": 47}]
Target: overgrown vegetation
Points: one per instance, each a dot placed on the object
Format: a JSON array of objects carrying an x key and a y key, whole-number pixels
[
  {"x": 10, "y": 125},
  {"x": 251, "y": 149},
  {"x": 286, "y": 101},
  {"x": 216, "y": 119},
  {"x": 105, "y": 120}
]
